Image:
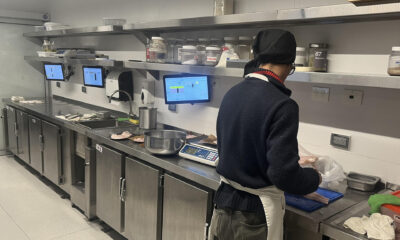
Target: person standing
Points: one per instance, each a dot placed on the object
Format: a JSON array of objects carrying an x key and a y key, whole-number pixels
[{"x": 257, "y": 129}]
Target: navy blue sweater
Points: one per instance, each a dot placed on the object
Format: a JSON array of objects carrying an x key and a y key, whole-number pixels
[{"x": 257, "y": 142}]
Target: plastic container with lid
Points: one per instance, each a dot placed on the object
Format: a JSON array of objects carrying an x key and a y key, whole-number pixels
[
  {"x": 394, "y": 62},
  {"x": 189, "y": 55},
  {"x": 318, "y": 57},
  {"x": 244, "y": 47},
  {"x": 300, "y": 57},
  {"x": 201, "y": 50},
  {"x": 213, "y": 55},
  {"x": 170, "y": 50},
  {"x": 177, "y": 50},
  {"x": 157, "y": 50},
  {"x": 230, "y": 43}
]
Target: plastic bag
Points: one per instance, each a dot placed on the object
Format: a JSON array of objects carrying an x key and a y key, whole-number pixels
[{"x": 332, "y": 172}]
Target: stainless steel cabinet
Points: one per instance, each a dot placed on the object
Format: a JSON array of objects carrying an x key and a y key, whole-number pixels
[
  {"x": 52, "y": 164},
  {"x": 186, "y": 210},
  {"x": 143, "y": 202},
  {"x": 110, "y": 170},
  {"x": 12, "y": 130},
  {"x": 23, "y": 136},
  {"x": 36, "y": 143}
]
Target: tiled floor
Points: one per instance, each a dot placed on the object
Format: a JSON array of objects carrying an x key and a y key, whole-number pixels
[{"x": 29, "y": 209}]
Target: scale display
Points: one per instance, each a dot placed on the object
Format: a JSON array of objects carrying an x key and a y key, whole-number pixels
[
  {"x": 93, "y": 76},
  {"x": 54, "y": 72},
  {"x": 200, "y": 154},
  {"x": 186, "y": 89}
]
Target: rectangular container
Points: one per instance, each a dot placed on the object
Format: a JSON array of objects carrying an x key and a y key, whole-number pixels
[{"x": 362, "y": 182}]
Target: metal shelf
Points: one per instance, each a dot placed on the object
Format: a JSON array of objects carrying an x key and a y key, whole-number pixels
[
  {"x": 86, "y": 62},
  {"x": 84, "y": 31},
  {"x": 314, "y": 15},
  {"x": 376, "y": 81}
]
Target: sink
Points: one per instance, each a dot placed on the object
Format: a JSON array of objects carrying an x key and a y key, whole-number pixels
[{"x": 104, "y": 124}]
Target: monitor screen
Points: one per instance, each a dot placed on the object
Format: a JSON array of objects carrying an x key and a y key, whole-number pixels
[
  {"x": 186, "y": 89},
  {"x": 93, "y": 76},
  {"x": 54, "y": 72}
]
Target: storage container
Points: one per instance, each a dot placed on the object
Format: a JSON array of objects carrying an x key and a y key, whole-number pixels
[
  {"x": 223, "y": 7},
  {"x": 157, "y": 50},
  {"x": 177, "y": 50},
  {"x": 244, "y": 47},
  {"x": 230, "y": 43},
  {"x": 213, "y": 55},
  {"x": 170, "y": 50},
  {"x": 300, "y": 57},
  {"x": 189, "y": 55},
  {"x": 394, "y": 62},
  {"x": 318, "y": 57},
  {"x": 201, "y": 50}
]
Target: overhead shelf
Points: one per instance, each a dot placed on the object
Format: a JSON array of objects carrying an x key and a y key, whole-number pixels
[
  {"x": 84, "y": 31},
  {"x": 315, "y": 15},
  {"x": 72, "y": 61},
  {"x": 362, "y": 80}
]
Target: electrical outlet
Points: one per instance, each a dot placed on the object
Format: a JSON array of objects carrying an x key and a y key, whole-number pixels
[
  {"x": 172, "y": 107},
  {"x": 84, "y": 89},
  {"x": 340, "y": 141},
  {"x": 58, "y": 84},
  {"x": 320, "y": 94},
  {"x": 353, "y": 97}
]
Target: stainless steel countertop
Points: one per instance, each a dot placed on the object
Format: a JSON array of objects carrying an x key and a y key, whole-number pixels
[{"x": 317, "y": 221}]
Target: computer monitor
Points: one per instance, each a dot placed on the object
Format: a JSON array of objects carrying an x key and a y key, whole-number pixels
[
  {"x": 54, "y": 71},
  {"x": 93, "y": 76},
  {"x": 186, "y": 89}
]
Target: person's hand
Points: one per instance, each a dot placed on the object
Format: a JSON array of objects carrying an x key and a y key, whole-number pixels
[
  {"x": 317, "y": 197},
  {"x": 307, "y": 160}
]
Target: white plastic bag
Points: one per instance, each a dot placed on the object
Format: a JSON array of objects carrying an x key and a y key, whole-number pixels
[{"x": 332, "y": 172}]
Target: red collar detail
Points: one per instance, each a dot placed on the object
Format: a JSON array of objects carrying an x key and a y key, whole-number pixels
[{"x": 271, "y": 74}]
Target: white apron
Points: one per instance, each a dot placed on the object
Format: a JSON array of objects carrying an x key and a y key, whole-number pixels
[{"x": 272, "y": 199}]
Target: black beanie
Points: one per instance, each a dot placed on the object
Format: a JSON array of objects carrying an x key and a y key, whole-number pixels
[{"x": 272, "y": 46}]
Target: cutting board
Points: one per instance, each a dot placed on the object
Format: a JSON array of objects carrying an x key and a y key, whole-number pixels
[{"x": 308, "y": 205}]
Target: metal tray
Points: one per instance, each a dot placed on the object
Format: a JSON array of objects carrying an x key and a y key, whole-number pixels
[{"x": 362, "y": 182}]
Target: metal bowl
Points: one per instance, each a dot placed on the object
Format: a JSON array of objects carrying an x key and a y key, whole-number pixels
[{"x": 164, "y": 142}]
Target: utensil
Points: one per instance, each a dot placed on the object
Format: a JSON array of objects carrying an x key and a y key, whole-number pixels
[
  {"x": 164, "y": 142},
  {"x": 147, "y": 118},
  {"x": 362, "y": 182}
]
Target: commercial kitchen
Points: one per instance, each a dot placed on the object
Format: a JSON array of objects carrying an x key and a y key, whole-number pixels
[{"x": 109, "y": 114}]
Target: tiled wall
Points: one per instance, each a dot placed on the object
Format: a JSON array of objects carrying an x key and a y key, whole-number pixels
[{"x": 354, "y": 48}]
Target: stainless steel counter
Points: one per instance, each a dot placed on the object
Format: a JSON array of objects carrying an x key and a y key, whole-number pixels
[{"x": 324, "y": 220}]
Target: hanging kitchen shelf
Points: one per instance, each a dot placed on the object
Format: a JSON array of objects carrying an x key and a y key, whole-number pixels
[
  {"x": 82, "y": 31},
  {"x": 312, "y": 15},
  {"x": 72, "y": 61},
  {"x": 361, "y": 80}
]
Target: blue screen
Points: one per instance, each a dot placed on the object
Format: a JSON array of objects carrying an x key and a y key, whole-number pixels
[
  {"x": 54, "y": 72},
  {"x": 93, "y": 76},
  {"x": 186, "y": 89}
]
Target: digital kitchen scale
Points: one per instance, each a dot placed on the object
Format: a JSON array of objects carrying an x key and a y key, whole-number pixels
[{"x": 200, "y": 153}]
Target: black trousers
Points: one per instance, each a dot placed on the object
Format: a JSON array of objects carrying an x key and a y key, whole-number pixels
[{"x": 236, "y": 225}]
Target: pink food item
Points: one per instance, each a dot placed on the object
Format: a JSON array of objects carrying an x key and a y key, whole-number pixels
[
  {"x": 317, "y": 197},
  {"x": 122, "y": 136},
  {"x": 137, "y": 139},
  {"x": 190, "y": 136}
]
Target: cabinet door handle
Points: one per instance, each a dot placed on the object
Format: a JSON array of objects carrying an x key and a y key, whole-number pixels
[
  {"x": 120, "y": 188},
  {"x": 123, "y": 189},
  {"x": 41, "y": 142},
  {"x": 15, "y": 129}
]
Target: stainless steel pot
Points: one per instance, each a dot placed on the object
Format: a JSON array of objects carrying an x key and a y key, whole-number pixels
[{"x": 164, "y": 142}]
